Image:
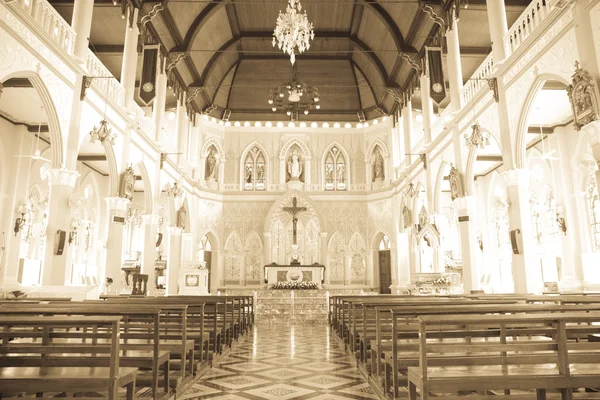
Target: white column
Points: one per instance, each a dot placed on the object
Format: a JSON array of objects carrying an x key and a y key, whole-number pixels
[
  {"x": 526, "y": 270},
  {"x": 62, "y": 182},
  {"x": 589, "y": 57},
  {"x": 307, "y": 172},
  {"x": 454, "y": 66},
  {"x": 466, "y": 210},
  {"x": 323, "y": 249},
  {"x": 221, "y": 173},
  {"x": 427, "y": 106},
  {"x": 347, "y": 267},
  {"x": 82, "y": 25},
  {"x": 117, "y": 206},
  {"x": 266, "y": 254},
  {"x": 403, "y": 259},
  {"x": 194, "y": 151},
  {"x": 158, "y": 110},
  {"x": 369, "y": 171},
  {"x": 130, "y": 56},
  {"x": 149, "y": 249},
  {"x": 174, "y": 260},
  {"x": 181, "y": 127},
  {"x": 407, "y": 119},
  {"x": 282, "y": 173},
  {"x": 496, "y": 12}
]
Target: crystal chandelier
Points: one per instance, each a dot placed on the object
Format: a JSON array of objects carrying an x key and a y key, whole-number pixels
[
  {"x": 477, "y": 138},
  {"x": 103, "y": 133},
  {"x": 293, "y": 32},
  {"x": 294, "y": 97}
]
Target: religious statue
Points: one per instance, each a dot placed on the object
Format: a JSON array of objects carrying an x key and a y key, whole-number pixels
[
  {"x": 295, "y": 166},
  {"x": 406, "y": 215},
  {"x": 456, "y": 190},
  {"x": 181, "y": 217},
  {"x": 584, "y": 97},
  {"x": 378, "y": 167},
  {"x": 260, "y": 171},
  {"x": 211, "y": 161},
  {"x": 248, "y": 178},
  {"x": 340, "y": 173},
  {"x": 329, "y": 171},
  {"x": 127, "y": 181}
]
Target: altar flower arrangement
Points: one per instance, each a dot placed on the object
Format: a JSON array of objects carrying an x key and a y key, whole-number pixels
[
  {"x": 294, "y": 286},
  {"x": 443, "y": 280}
]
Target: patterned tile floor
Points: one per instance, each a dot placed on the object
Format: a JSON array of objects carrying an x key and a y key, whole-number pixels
[{"x": 283, "y": 362}]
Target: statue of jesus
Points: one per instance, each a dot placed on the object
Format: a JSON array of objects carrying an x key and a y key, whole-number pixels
[{"x": 295, "y": 166}]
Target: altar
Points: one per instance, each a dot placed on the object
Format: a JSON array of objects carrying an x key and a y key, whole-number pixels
[{"x": 294, "y": 273}]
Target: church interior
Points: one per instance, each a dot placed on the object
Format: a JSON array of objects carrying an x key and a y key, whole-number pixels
[{"x": 300, "y": 199}]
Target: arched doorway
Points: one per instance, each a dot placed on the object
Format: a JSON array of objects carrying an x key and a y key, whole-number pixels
[
  {"x": 385, "y": 265},
  {"x": 205, "y": 254}
]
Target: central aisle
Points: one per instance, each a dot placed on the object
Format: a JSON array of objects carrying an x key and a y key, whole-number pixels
[{"x": 284, "y": 362}]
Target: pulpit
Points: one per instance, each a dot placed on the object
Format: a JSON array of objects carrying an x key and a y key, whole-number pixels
[{"x": 193, "y": 279}]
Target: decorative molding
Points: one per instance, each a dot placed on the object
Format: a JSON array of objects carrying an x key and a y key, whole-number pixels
[
  {"x": 117, "y": 203},
  {"x": 149, "y": 11},
  {"x": 173, "y": 59},
  {"x": 584, "y": 98},
  {"x": 516, "y": 177},
  {"x": 62, "y": 177},
  {"x": 456, "y": 183}
]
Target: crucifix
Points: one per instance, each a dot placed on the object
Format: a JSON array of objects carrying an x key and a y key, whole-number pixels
[{"x": 294, "y": 210}]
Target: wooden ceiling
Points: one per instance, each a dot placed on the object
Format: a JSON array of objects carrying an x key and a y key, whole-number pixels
[{"x": 359, "y": 50}]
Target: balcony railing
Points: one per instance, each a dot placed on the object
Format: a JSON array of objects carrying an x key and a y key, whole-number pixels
[
  {"x": 109, "y": 85},
  {"x": 531, "y": 18},
  {"x": 50, "y": 21},
  {"x": 478, "y": 79}
]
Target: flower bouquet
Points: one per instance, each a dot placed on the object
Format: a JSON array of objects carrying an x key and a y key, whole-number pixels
[
  {"x": 443, "y": 280},
  {"x": 295, "y": 286}
]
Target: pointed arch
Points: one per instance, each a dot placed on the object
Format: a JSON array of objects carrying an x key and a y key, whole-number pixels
[
  {"x": 347, "y": 168},
  {"x": 437, "y": 194},
  {"x": 376, "y": 238},
  {"x": 54, "y": 128},
  {"x": 469, "y": 178},
  {"x": 336, "y": 258},
  {"x": 266, "y": 167},
  {"x": 212, "y": 142},
  {"x": 288, "y": 145},
  {"x": 357, "y": 249},
  {"x": 233, "y": 258},
  {"x": 148, "y": 197},
  {"x": 253, "y": 257},
  {"x": 377, "y": 142},
  {"x": 522, "y": 127}
]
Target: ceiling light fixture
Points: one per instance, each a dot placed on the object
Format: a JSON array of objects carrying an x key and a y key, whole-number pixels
[
  {"x": 293, "y": 32},
  {"x": 294, "y": 97},
  {"x": 477, "y": 137}
]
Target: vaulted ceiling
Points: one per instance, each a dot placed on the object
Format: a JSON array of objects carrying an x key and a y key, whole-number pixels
[{"x": 360, "y": 49}]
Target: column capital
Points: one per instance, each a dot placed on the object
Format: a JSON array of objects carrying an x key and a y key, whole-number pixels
[
  {"x": 592, "y": 132},
  {"x": 465, "y": 206},
  {"x": 516, "y": 177},
  {"x": 117, "y": 203},
  {"x": 175, "y": 231},
  {"x": 62, "y": 177},
  {"x": 150, "y": 219}
]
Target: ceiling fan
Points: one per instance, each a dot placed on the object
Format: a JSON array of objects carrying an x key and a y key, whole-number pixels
[{"x": 37, "y": 155}]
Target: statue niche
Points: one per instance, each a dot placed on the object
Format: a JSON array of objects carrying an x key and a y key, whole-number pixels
[
  {"x": 211, "y": 166},
  {"x": 295, "y": 166},
  {"x": 378, "y": 165}
]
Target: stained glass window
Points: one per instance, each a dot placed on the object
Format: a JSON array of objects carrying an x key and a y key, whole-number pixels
[
  {"x": 335, "y": 170},
  {"x": 254, "y": 170}
]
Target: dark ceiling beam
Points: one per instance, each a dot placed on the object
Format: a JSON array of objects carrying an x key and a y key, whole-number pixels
[
  {"x": 383, "y": 15},
  {"x": 355, "y": 65},
  {"x": 356, "y": 82},
  {"x": 489, "y": 157},
  {"x": 234, "y": 65},
  {"x": 359, "y": 44},
  {"x": 269, "y": 111},
  {"x": 475, "y": 51},
  {"x": 286, "y": 57},
  {"x": 107, "y": 49},
  {"x": 91, "y": 157},
  {"x": 357, "y": 13},
  {"x": 410, "y": 37}
]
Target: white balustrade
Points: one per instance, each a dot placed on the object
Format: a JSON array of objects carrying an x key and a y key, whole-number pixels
[
  {"x": 531, "y": 18},
  {"x": 47, "y": 18},
  {"x": 478, "y": 79},
  {"x": 107, "y": 83}
]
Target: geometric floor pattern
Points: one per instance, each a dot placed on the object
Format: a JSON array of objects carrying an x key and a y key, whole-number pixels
[{"x": 283, "y": 362}]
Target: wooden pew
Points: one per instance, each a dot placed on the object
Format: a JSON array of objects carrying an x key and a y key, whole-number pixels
[
  {"x": 398, "y": 354},
  {"x": 504, "y": 365},
  {"x": 44, "y": 377},
  {"x": 143, "y": 345}
]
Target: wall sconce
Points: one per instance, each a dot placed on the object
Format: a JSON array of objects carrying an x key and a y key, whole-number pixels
[
  {"x": 560, "y": 221},
  {"x": 20, "y": 221}
]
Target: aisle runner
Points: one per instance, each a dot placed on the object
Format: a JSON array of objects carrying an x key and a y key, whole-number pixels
[{"x": 284, "y": 362}]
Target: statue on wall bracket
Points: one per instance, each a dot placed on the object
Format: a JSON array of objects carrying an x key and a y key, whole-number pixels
[
  {"x": 456, "y": 188},
  {"x": 127, "y": 181},
  {"x": 583, "y": 94},
  {"x": 406, "y": 216},
  {"x": 181, "y": 217}
]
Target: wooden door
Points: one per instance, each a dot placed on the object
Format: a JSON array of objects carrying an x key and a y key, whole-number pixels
[
  {"x": 207, "y": 258},
  {"x": 385, "y": 272}
]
